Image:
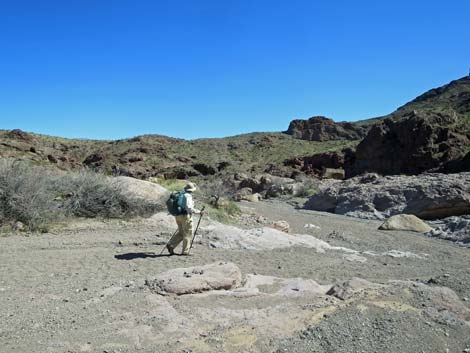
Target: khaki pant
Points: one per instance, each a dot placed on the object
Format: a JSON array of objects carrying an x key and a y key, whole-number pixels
[{"x": 185, "y": 233}]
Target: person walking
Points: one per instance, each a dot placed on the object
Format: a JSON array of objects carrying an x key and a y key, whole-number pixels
[{"x": 184, "y": 220}]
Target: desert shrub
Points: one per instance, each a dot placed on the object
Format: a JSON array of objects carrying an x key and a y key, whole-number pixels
[
  {"x": 27, "y": 195},
  {"x": 37, "y": 197},
  {"x": 170, "y": 184},
  {"x": 88, "y": 194},
  {"x": 223, "y": 214}
]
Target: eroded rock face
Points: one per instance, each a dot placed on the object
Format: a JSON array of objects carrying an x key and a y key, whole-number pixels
[
  {"x": 319, "y": 128},
  {"x": 315, "y": 164},
  {"x": 198, "y": 279},
  {"x": 417, "y": 143},
  {"x": 405, "y": 222},
  {"x": 427, "y": 196},
  {"x": 453, "y": 228}
]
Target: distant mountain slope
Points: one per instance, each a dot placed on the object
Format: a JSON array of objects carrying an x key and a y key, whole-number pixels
[
  {"x": 453, "y": 97},
  {"x": 154, "y": 155}
]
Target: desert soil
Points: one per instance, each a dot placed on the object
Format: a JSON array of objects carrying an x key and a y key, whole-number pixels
[{"x": 83, "y": 290}]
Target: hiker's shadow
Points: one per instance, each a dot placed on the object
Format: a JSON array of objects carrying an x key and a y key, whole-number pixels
[{"x": 139, "y": 255}]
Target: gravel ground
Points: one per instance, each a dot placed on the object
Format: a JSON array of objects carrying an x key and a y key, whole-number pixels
[{"x": 82, "y": 290}]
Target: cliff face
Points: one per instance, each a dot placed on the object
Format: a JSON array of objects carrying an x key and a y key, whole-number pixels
[
  {"x": 417, "y": 143},
  {"x": 319, "y": 128}
]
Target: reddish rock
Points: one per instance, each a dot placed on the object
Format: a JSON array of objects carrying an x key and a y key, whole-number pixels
[
  {"x": 319, "y": 128},
  {"x": 18, "y": 134}
]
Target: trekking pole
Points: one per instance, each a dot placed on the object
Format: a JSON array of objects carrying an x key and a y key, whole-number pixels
[
  {"x": 168, "y": 242},
  {"x": 197, "y": 227}
]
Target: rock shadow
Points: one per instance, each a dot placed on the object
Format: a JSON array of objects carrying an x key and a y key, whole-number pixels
[{"x": 139, "y": 255}]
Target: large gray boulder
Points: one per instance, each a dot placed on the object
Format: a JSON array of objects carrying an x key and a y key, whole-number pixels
[
  {"x": 427, "y": 196},
  {"x": 140, "y": 189},
  {"x": 405, "y": 222}
]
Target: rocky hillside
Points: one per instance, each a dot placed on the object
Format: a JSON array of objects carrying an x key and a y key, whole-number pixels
[
  {"x": 160, "y": 156},
  {"x": 430, "y": 133}
]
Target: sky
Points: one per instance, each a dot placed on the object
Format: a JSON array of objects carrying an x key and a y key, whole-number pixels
[{"x": 109, "y": 69}]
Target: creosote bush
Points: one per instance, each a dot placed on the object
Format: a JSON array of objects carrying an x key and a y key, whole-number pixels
[
  {"x": 37, "y": 197},
  {"x": 27, "y": 195}
]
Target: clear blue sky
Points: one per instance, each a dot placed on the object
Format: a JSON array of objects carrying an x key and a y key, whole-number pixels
[{"x": 210, "y": 68}]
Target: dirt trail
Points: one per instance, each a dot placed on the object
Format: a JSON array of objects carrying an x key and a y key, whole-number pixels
[{"x": 83, "y": 290}]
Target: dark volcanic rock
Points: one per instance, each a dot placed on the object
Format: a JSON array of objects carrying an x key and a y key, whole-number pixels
[
  {"x": 427, "y": 196},
  {"x": 418, "y": 143},
  {"x": 460, "y": 165},
  {"x": 18, "y": 134},
  {"x": 314, "y": 165},
  {"x": 204, "y": 169},
  {"x": 95, "y": 159},
  {"x": 320, "y": 128}
]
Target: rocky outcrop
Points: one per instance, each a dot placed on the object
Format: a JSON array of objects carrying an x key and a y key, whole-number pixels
[
  {"x": 417, "y": 143},
  {"x": 406, "y": 222},
  {"x": 18, "y": 134},
  {"x": 315, "y": 164},
  {"x": 94, "y": 160},
  {"x": 319, "y": 128},
  {"x": 453, "y": 228},
  {"x": 427, "y": 196}
]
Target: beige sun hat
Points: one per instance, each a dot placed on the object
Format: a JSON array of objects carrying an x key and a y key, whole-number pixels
[{"x": 190, "y": 187}]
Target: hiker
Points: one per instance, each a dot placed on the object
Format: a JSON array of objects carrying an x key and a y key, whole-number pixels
[{"x": 184, "y": 220}]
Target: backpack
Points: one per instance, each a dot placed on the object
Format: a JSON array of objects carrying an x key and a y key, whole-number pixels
[{"x": 174, "y": 204}]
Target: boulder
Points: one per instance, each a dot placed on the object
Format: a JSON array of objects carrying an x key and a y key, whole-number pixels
[
  {"x": 179, "y": 281},
  {"x": 242, "y": 193},
  {"x": 222, "y": 236},
  {"x": 427, "y": 196},
  {"x": 18, "y": 226},
  {"x": 252, "y": 183},
  {"x": 276, "y": 191},
  {"x": 141, "y": 189},
  {"x": 283, "y": 226},
  {"x": 252, "y": 198},
  {"x": 405, "y": 222},
  {"x": 333, "y": 173}
]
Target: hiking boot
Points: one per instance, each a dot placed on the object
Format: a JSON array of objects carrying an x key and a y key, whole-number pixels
[{"x": 170, "y": 250}]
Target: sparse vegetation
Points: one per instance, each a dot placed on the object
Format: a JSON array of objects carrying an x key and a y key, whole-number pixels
[
  {"x": 170, "y": 184},
  {"x": 27, "y": 195},
  {"x": 38, "y": 197}
]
